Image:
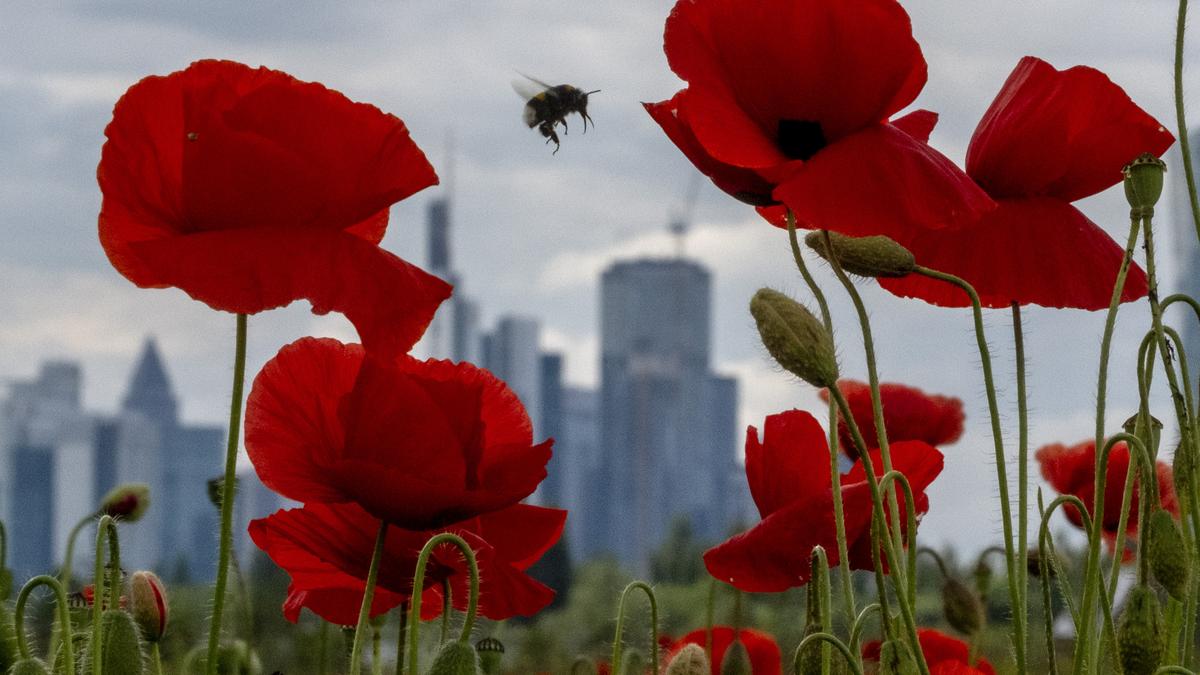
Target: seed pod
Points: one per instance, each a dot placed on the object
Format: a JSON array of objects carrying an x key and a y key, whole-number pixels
[
  {"x": 794, "y": 337},
  {"x": 876, "y": 256},
  {"x": 1168, "y": 554},
  {"x": 121, "y": 647},
  {"x": 148, "y": 604},
  {"x": 455, "y": 658},
  {"x": 29, "y": 666},
  {"x": 896, "y": 659},
  {"x": 689, "y": 661},
  {"x": 1140, "y": 633},
  {"x": 963, "y": 610},
  {"x": 736, "y": 660},
  {"x": 491, "y": 653},
  {"x": 127, "y": 502},
  {"x": 1144, "y": 182}
]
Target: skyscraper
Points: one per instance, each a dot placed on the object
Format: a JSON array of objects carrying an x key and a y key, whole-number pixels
[
  {"x": 666, "y": 421},
  {"x": 454, "y": 332},
  {"x": 513, "y": 354}
]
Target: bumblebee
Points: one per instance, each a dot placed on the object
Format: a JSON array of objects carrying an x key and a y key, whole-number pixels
[{"x": 547, "y": 106}]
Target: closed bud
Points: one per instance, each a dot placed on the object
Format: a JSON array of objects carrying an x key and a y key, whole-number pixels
[
  {"x": 237, "y": 658},
  {"x": 148, "y": 604},
  {"x": 491, "y": 653},
  {"x": 8, "y": 639},
  {"x": 120, "y": 646},
  {"x": 736, "y": 660},
  {"x": 455, "y": 658},
  {"x": 1181, "y": 470},
  {"x": 79, "y": 646},
  {"x": 29, "y": 667},
  {"x": 895, "y": 658},
  {"x": 983, "y": 577},
  {"x": 808, "y": 662},
  {"x": 1168, "y": 554},
  {"x": 876, "y": 256},
  {"x": 1144, "y": 183},
  {"x": 795, "y": 338},
  {"x": 127, "y": 502},
  {"x": 1140, "y": 633},
  {"x": 689, "y": 661},
  {"x": 1033, "y": 563},
  {"x": 963, "y": 610}
]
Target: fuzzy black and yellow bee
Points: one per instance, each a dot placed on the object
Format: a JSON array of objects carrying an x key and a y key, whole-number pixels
[{"x": 547, "y": 106}]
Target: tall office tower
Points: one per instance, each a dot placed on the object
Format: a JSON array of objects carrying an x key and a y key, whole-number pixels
[
  {"x": 550, "y": 492},
  {"x": 578, "y": 462},
  {"x": 454, "y": 332},
  {"x": 176, "y": 535},
  {"x": 1187, "y": 256},
  {"x": 46, "y": 453},
  {"x": 666, "y": 421},
  {"x": 511, "y": 352}
]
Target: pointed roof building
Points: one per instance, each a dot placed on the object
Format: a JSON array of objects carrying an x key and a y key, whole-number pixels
[{"x": 149, "y": 389}]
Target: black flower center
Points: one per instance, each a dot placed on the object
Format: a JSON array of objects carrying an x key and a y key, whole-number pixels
[{"x": 800, "y": 139}]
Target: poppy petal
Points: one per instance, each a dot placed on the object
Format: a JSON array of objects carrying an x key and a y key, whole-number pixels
[
  {"x": 790, "y": 463},
  {"x": 249, "y": 270},
  {"x": 912, "y": 187},
  {"x": 1064, "y": 134},
  {"x": 919, "y": 124},
  {"x": 765, "y": 657},
  {"x": 339, "y": 605},
  {"x": 1040, "y": 251},
  {"x": 522, "y": 533},
  {"x": 844, "y": 65}
]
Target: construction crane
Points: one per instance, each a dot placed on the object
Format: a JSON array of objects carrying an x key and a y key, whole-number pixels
[{"x": 681, "y": 220}]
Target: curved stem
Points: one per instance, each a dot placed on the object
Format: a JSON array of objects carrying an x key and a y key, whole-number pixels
[
  {"x": 835, "y": 473},
  {"x": 1010, "y": 560},
  {"x": 910, "y": 524},
  {"x": 864, "y": 322},
  {"x": 364, "y": 612},
  {"x": 820, "y": 600},
  {"x": 227, "y": 495},
  {"x": 616, "y": 652},
  {"x": 65, "y": 573},
  {"x": 445, "y": 609},
  {"x": 106, "y": 530},
  {"x": 64, "y": 618},
  {"x": 1181, "y": 117},
  {"x": 1047, "y": 595},
  {"x": 414, "y": 612},
  {"x": 1022, "y": 562},
  {"x": 859, "y": 624},
  {"x": 937, "y": 558},
  {"x": 831, "y": 639}
]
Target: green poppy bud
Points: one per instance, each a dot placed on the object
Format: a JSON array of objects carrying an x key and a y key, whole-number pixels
[
  {"x": 1168, "y": 554},
  {"x": 737, "y": 660},
  {"x": 808, "y": 662},
  {"x": 983, "y": 577},
  {"x": 29, "y": 667},
  {"x": 8, "y": 640},
  {"x": 79, "y": 645},
  {"x": 1144, "y": 183},
  {"x": 963, "y": 610},
  {"x": 120, "y": 646},
  {"x": 127, "y": 502},
  {"x": 689, "y": 661},
  {"x": 895, "y": 658},
  {"x": 1140, "y": 632},
  {"x": 148, "y": 604},
  {"x": 876, "y": 256},
  {"x": 455, "y": 658},
  {"x": 1033, "y": 563},
  {"x": 491, "y": 653},
  {"x": 1181, "y": 470},
  {"x": 795, "y": 338}
]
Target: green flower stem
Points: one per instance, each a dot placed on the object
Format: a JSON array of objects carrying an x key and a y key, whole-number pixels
[
  {"x": 910, "y": 524},
  {"x": 1181, "y": 117},
  {"x": 414, "y": 612},
  {"x": 1167, "y": 670},
  {"x": 832, "y": 640},
  {"x": 227, "y": 496},
  {"x": 617, "y": 638},
  {"x": 64, "y": 574},
  {"x": 64, "y": 618},
  {"x": 364, "y": 612},
  {"x": 1022, "y": 562},
  {"x": 835, "y": 472},
  {"x": 156, "y": 655},
  {"x": 376, "y": 649},
  {"x": 881, "y": 582},
  {"x": 708, "y": 617},
  {"x": 873, "y": 380},
  {"x": 106, "y": 532},
  {"x": 1047, "y": 596},
  {"x": 820, "y": 603},
  {"x": 860, "y": 624},
  {"x": 906, "y": 609},
  {"x": 1015, "y": 593},
  {"x": 402, "y": 619},
  {"x": 445, "y": 610},
  {"x": 1156, "y": 313}
]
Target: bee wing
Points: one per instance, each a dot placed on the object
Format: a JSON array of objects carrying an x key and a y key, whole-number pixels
[{"x": 527, "y": 87}]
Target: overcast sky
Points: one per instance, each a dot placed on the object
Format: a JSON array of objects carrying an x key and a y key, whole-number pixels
[{"x": 532, "y": 231}]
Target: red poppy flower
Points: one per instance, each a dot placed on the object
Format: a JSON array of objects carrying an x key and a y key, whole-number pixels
[
  {"x": 1050, "y": 138},
  {"x": 788, "y": 102},
  {"x": 945, "y": 655},
  {"x": 326, "y": 548},
  {"x": 909, "y": 414},
  {"x": 1071, "y": 470},
  {"x": 765, "y": 658},
  {"x": 249, "y": 189},
  {"x": 420, "y": 444},
  {"x": 788, "y": 473}
]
